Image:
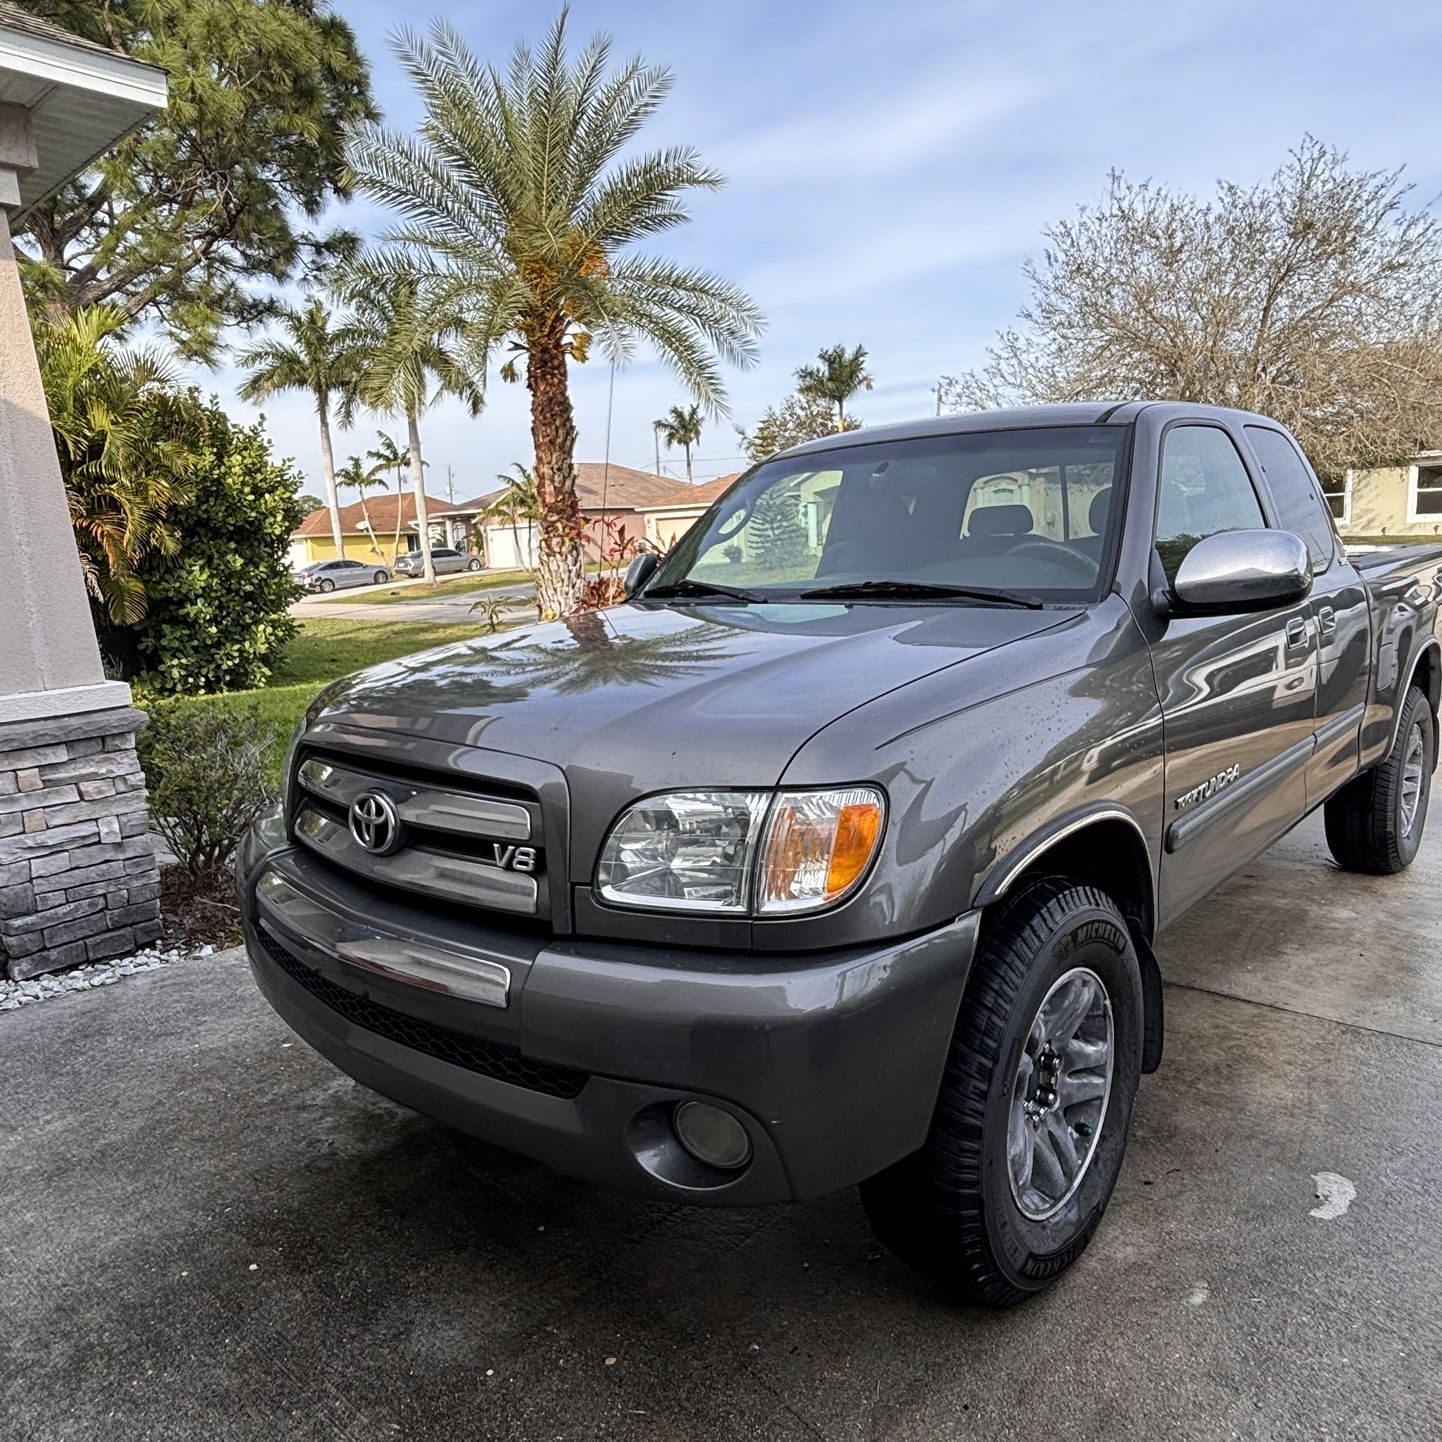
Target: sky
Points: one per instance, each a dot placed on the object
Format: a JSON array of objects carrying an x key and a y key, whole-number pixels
[{"x": 890, "y": 167}]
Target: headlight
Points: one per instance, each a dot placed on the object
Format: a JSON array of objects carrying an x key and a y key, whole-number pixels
[
  {"x": 687, "y": 851},
  {"x": 741, "y": 852}
]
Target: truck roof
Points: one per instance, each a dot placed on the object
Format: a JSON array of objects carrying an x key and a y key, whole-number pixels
[{"x": 1011, "y": 418}]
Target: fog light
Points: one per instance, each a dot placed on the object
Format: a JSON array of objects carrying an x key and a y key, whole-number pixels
[{"x": 712, "y": 1135}]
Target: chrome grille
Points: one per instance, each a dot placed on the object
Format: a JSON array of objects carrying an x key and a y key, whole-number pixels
[{"x": 453, "y": 843}]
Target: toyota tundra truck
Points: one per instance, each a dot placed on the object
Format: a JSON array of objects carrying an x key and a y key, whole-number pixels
[{"x": 837, "y": 853}]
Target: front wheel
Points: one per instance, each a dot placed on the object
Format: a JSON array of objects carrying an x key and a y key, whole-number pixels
[
  {"x": 381, "y": 578},
  {"x": 473, "y": 564},
  {"x": 1035, "y": 1104},
  {"x": 1375, "y": 822}
]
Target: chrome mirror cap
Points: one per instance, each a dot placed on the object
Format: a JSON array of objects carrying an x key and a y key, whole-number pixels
[{"x": 1236, "y": 571}]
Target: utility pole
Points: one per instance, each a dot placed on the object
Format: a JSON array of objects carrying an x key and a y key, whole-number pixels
[
  {"x": 656, "y": 436},
  {"x": 451, "y": 479},
  {"x": 937, "y": 389}
]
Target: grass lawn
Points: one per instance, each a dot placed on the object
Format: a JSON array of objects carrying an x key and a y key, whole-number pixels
[{"x": 321, "y": 652}]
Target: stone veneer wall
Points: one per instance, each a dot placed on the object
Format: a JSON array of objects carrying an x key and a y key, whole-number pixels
[{"x": 78, "y": 874}]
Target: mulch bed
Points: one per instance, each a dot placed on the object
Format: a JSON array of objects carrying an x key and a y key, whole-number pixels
[{"x": 197, "y": 913}]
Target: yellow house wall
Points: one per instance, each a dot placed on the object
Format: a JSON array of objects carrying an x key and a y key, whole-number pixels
[
  {"x": 358, "y": 547},
  {"x": 1379, "y": 506}
]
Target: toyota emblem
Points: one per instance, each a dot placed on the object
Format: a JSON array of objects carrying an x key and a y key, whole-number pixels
[{"x": 375, "y": 823}]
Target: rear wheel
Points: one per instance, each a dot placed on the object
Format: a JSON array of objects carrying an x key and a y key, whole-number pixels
[
  {"x": 1375, "y": 822},
  {"x": 1035, "y": 1105},
  {"x": 325, "y": 584}
]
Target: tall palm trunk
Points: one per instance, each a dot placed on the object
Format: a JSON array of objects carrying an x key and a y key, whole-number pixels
[
  {"x": 840, "y": 413},
  {"x": 418, "y": 490},
  {"x": 688, "y": 463},
  {"x": 559, "y": 572},
  {"x": 370, "y": 529},
  {"x": 327, "y": 465}
]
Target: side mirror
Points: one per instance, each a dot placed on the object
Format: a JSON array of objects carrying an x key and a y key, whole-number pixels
[
  {"x": 1238, "y": 571},
  {"x": 640, "y": 571}
]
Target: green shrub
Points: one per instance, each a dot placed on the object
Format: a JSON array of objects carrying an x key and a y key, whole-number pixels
[
  {"x": 208, "y": 772},
  {"x": 218, "y": 617}
]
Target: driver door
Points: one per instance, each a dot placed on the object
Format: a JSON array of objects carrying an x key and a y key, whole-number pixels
[{"x": 1238, "y": 693}]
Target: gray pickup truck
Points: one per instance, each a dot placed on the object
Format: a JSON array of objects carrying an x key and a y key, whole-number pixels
[{"x": 838, "y": 852}]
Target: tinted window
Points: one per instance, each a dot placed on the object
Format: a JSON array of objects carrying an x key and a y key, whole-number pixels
[
  {"x": 1295, "y": 492},
  {"x": 443, "y": 551},
  {"x": 1203, "y": 489}
]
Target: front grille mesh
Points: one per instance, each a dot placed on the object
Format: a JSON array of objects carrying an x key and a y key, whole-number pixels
[{"x": 485, "y": 1058}]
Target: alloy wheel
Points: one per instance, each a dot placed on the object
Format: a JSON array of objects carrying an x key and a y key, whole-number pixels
[{"x": 1059, "y": 1093}]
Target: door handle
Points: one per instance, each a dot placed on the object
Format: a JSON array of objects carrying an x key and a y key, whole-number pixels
[
  {"x": 1327, "y": 620},
  {"x": 1296, "y": 633}
]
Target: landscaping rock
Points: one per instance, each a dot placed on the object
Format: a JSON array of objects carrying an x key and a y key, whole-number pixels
[{"x": 93, "y": 975}]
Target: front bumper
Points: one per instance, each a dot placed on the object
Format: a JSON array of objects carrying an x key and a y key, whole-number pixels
[{"x": 580, "y": 1055}]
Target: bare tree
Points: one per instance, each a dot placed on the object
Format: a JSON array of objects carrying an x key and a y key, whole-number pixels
[{"x": 1314, "y": 297}]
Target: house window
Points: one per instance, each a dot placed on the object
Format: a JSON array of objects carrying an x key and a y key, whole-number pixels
[
  {"x": 1424, "y": 492},
  {"x": 1340, "y": 502}
]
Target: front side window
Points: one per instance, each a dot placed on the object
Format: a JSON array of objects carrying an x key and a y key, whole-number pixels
[
  {"x": 1203, "y": 489},
  {"x": 1022, "y": 511},
  {"x": 1299, "y": 505}
]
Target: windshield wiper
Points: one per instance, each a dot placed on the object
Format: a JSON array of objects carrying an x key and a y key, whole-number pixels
[
  {"x": 687, "y": 588},
  {"x": 919, "y": 590}
]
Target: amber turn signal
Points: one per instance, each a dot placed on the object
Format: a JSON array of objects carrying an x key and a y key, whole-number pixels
[{"x": 818, "y": 846}]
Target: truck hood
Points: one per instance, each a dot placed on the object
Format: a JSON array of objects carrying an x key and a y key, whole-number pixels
[{"x": 670, "y": 694}]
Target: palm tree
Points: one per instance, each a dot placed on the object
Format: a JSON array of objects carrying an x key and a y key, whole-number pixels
[
  {"x": 681, "y": 426},
  {"x": 840, "y": 374},
  {"x": 310, "y": 352},
  {"x": 410, "y": 359},
  {"x": 126, "y": 439},
  {"x": 355, "y": 475},
  {"x": 518, "y": 501},
  {"x": 515, "y": 206},
  {"x": 390, "y": 457}
]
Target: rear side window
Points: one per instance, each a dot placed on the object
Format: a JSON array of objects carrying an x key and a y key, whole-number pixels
[
  {"x": 1203, "y": 489},
  {"x": 1298, "y": 503}
]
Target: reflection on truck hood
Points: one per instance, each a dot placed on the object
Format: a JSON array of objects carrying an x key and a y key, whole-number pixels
[{"x": 678, "y": 694}]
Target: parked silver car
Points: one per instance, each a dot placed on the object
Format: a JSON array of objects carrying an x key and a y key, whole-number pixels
[
  {"x": 446, "y": 561},
  {"x": 334, "y": 575}
]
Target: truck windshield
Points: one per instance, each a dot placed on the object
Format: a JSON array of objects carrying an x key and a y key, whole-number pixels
[{"x": 1004, "y": 517}]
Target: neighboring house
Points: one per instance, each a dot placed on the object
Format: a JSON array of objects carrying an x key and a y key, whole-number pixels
[
  {"x": 605, "y": 492},
  {"x": 1393, "y": 501},
  {"x": 666, "y": 520},
  {"x": 311, "y": 540}
]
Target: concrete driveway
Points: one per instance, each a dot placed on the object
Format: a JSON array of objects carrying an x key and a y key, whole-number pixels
[{"x": 206, "y": 1232}]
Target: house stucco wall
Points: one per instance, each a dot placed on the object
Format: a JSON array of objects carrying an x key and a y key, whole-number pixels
[{"x": 1380, "y": 503}]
